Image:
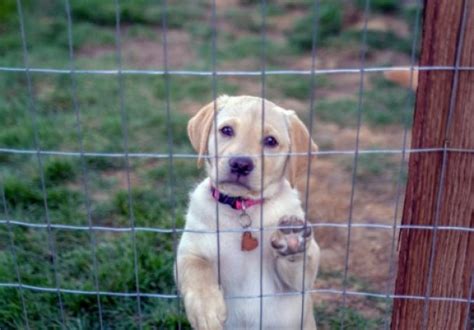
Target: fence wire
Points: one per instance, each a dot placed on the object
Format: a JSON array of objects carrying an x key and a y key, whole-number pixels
[
  {"x": 72, "y": 71},
  {"x": 33, "y": 114},
  {"x": 84, "y": 169}
]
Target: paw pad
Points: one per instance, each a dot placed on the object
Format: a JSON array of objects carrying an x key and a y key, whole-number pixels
[{"x": 292, "y": 237}]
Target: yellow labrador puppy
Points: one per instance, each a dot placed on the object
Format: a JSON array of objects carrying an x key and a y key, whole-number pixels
[{"x": 221, "y": 276}]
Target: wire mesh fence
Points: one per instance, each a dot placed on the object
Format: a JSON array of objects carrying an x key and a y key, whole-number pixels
[{"x": 145, "y": 227}]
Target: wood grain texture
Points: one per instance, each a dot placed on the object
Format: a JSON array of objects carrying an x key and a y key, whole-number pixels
[{"x": 453, "y": 257}]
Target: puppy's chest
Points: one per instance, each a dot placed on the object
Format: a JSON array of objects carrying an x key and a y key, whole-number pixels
[
  {"x": 240, "y": 269},
  {"x": 245, "y": 256}
]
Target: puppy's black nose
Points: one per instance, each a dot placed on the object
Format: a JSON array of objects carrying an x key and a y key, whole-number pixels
[{"x": 241, "y": 165}]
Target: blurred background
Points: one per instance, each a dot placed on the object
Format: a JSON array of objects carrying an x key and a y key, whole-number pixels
[{"x": 158, "y": 191}]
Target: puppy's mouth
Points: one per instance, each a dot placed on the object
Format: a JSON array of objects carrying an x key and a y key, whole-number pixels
[
  {"x": 240, "y": 185},
  {"x": 237, "y": 181}
]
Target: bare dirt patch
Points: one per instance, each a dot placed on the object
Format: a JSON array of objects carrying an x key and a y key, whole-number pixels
[
  {"x": 190, "y": 107},
  {"x": 148, "y": 53},
  {"x": 348, "y": 58},
  {"x": 343, "y": 138},
  {"x": 374, "y": 203},
  {"x": 384, "y": 24}
]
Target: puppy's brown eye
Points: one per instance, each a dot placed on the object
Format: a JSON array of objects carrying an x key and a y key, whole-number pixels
[
  {"x": 270, "y": 141},
  {"x": 227, "y": 131}
]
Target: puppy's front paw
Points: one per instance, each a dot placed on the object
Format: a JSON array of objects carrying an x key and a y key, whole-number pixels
[
  {"x": 292, "y": 238},
  {"x": 206, "y": 309}
]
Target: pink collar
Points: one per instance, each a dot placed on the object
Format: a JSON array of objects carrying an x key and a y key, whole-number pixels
[{"x": 237, "y": 203}]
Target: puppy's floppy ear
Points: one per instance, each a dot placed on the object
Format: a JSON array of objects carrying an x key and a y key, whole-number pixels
[
  {"x": 199, "y": 127},
  {"x": 299, "y": 139}
]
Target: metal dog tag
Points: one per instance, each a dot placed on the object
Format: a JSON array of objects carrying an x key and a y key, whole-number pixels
[{"x": 245, "y": 220}]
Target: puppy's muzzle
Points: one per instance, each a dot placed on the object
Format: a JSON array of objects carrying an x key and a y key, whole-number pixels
[{"x": 241, "y": 166}]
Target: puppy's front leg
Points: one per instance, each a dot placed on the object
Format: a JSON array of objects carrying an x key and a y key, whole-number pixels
[
  {"x": 204, "y": 302},
  {"x": 289, "y": 245}
]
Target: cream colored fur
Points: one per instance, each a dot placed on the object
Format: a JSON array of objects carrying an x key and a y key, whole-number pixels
[{"x": 199, "y": 254}]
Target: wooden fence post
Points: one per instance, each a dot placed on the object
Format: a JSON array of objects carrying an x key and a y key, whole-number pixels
[{"x": 440, "y": 187}]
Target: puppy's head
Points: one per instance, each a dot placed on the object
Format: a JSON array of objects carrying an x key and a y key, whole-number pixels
[{"x": 231, "y": 129}]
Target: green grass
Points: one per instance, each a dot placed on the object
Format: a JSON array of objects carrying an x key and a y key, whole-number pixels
[
  {"x": 144, "y": 103},
  {"x": 93, "y": 24},
  {"x": 329, "y": 317},
  {"x": 7, "y": 10},
  {"x": 141, "y": 11},
  {"x": 231, "y": 47},
  {"x": 329, "y": 22},
  {"x": 295, "y": 86},
  {"x": 191, "y": 88},
  {"x": 409, "y": 14},
  {"x": 374, "y": 167},
  {"x": 102, "y": 129},
  {"x": 58, "y": 171},
  {"x": 47, "y": 39},
  {"x": 115, "y": 273},
  {"x": 370, "y": 166},
  {"x": 375, "y": 41},
  {"x": 384, "y": 6},
  {"x": 380, "y": 40},
  {"x": 385, "y": 104},
  {"x": 247, "y": 19},
  {"x": 367, "y": 315},
  {"x": 101, "y": 123},
  {"x": 151, "y": 207}
]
